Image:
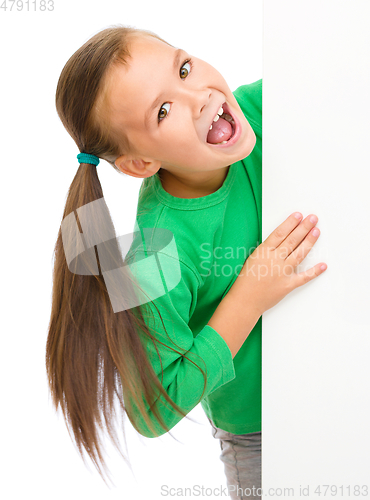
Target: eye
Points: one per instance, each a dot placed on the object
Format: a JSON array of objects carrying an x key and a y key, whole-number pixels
[
  {"x": 160, "y": 114},
  {"x": 187, "y": 71},
  {"x": 184, "y": 72}
]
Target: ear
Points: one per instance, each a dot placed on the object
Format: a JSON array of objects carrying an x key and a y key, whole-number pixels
[{"x": 137, "y": 167}]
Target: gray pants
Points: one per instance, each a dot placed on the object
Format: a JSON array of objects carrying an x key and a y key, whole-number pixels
[{"x": 241, "y": 455}]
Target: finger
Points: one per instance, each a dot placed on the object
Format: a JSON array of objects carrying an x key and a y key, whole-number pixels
[
  {"x": 296, "y": 236},
  {"x": 282, "y": 231},
  {"x": 302, "y": 250},
  {"x": 306, "y": 276}
]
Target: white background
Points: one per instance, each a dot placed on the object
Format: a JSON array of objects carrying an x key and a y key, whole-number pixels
[
  {"x": 316, "y": 346},
  {"x": 38, "y": 160}
]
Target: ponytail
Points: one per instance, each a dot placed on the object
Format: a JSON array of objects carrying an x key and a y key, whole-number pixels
[{"x": 94, "y": 354}]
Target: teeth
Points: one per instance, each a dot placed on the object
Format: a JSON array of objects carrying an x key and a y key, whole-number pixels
[
  {"x": 217, "y": 117},
  {"x": 223, "y": 142}
]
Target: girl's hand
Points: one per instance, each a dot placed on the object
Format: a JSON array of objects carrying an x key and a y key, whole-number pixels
[{"x": 268, "y": 274}]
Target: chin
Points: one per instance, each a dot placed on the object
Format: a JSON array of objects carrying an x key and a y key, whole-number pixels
[{"x": 249, "y": 142}]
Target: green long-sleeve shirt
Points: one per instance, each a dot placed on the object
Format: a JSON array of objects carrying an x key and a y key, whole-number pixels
[{"x": 213, "y": 236}]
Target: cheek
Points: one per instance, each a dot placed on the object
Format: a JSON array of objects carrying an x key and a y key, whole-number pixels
[{"x": 179, "y": 133}]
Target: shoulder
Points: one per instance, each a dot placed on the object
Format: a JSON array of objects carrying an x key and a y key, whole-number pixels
[
  {"x": 157, "y": 255},
  {"x": 162, "y": 233},
  {"x": 251, "y": 93},
  {"x": 249, "y": 98}
]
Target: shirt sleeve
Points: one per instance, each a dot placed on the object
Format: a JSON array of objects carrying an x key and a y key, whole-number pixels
[
  {"x": 175, "y": 298},
  {"x": 249, "y": 98}
]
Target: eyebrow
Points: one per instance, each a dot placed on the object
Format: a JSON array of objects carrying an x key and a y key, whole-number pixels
[{"x": 158, "y": 100}]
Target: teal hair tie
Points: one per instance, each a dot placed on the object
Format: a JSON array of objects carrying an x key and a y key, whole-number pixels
[{"x": 87, "y": 158}]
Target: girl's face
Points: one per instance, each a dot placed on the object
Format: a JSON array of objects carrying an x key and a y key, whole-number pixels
[{"x": 166, "y": 105}]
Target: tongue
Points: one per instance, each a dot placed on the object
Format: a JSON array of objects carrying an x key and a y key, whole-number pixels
[{"x": 221, "y": 131}]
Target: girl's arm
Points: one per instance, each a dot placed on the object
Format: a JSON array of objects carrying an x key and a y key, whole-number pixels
[
  {"x": 182, "y": 379},
  {"x": 266, "y": 278}
]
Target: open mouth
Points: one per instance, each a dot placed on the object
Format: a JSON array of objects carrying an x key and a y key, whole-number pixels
[{"x": 224, "y": 130}]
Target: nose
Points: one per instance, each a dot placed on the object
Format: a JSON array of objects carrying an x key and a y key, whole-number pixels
[
  {"x": 198, "y": 99},
  {"x": 204, "y": 99}
]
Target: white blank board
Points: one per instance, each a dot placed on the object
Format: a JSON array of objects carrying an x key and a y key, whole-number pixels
[{"x": 316, "y": 341}]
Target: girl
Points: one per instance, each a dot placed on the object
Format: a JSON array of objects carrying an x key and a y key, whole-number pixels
[{"x": 179, "y": 321}]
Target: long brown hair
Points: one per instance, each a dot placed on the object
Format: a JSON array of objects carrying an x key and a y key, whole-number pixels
[{"x": 94, "y": 354}]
